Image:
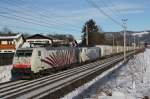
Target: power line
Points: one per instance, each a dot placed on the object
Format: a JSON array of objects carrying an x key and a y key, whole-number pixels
[
  {"x": 113, "y": 5},
  {"x": 110, "y": 9},
  {"x": 26, "y": 21},
  {"x": 22, "y": 19},
  {"x": 43, "y": 16},
  {"x": 26, "y": 28},
  {"x": 28, "y": 15},
  {"x": 35, "y": 5},
  {"x": 30, "y": 19},
  {"x": 37, "y": 22},
  {"x": 103, "y": 12}
]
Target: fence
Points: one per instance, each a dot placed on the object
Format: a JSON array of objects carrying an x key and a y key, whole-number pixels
[{"x": 6, "y": 58}]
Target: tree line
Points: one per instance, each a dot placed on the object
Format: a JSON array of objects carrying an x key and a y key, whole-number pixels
[
  {"x": 96, "y": 35},
  {"x": 68, "y": 37}
]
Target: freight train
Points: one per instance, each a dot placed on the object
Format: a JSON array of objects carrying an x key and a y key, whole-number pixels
[{"x": 36, "y": 62}]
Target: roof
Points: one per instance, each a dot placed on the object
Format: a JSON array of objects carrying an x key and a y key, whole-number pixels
[
  {"x": 25, "y": 49},
  {"x": 10, "y": 36},
  {"x": 39, "y": 36}
]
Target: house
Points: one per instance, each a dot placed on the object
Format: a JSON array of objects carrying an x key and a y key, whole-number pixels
[
  {"x": 38, "y": 40},
  {"x": 10, "y": 42}
]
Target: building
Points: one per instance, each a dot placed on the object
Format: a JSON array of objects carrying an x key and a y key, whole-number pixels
[
  {"x": 38, "y": 40},
  {"x": 60, "y": 42},
  {"x": 10, "y": 42}
]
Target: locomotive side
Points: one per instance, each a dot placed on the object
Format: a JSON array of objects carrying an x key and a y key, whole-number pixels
[
  {"x": 88, "y": 54},
  {"x": 41, "y": 60},
  {"x": 34, "y": 62}
]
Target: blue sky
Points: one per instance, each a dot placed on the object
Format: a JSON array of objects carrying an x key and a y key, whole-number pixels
[{"x": 69, "y": 16}]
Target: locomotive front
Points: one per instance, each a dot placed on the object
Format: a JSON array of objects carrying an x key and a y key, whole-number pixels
[{"x": 22, "y": 64}]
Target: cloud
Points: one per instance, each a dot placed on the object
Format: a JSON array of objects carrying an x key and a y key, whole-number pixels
[
  {"x": 74, "y": 17},
  {"x": 81, "y": 15},
  {"x": 77, "y": 15}
]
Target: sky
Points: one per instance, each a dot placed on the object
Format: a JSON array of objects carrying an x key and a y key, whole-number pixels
[{"x": 69, "y": 16}]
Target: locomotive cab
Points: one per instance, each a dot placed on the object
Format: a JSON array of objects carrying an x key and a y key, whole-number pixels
[{"x": 22, "y": 64}]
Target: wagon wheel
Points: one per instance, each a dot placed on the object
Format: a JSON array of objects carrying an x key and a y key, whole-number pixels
[
  {"x": 40, "y": 74},
  {"x": 33, "y": 76}
]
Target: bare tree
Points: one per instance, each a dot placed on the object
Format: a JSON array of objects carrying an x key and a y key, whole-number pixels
[{"x": 6, "y": 30}]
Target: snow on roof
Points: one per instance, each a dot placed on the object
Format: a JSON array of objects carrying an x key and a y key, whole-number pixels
[
  {"x": 79, "y": 41},
  {"x": 10, "y": 36},
  {"x": 140, "y": 33}
]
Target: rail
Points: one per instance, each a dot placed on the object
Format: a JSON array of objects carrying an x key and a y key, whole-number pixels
[{"x": 44, "y": 86}]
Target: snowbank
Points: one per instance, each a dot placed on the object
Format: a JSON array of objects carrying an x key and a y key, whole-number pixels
[
  {"x": 132, "y": 79},
  {"x": 5, "y": 73},
  {"x": 128, "y": 81},
  {"x": 79, "y": 92}
]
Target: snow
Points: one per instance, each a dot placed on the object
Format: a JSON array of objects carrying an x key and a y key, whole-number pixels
[
  {"x": 5, "y": 73},
  {"x": 124, "y": 81},
  {"x": 26, "y": 45},
  {"x": 131, "y": 79},
  {"x": 79, "y": 92},
  {"x": 11, "y": 37},
  {"x": 116, "y": 95}
]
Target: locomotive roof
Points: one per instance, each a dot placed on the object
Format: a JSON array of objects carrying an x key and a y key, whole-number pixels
[{"x": 25, "y": 49}]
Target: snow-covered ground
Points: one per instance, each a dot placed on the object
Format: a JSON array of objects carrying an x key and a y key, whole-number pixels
[
  {"x": 132, "y": 80},
  {"x": 79, "y": 93},
  {"x": 5, "y": 73},
  {"x": 128, "y": 81}
]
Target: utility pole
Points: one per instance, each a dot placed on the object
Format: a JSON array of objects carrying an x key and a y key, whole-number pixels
[
  {"x": 113, "y": 42},
  {"x": 125, "y": 28},
  {"x": 134, "y": 45},
  {"x": 87, "y": 36},
  {"x": 138, "y": 42}
]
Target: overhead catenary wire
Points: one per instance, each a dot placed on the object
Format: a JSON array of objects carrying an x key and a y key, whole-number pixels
[
  {"x": 26, "y": 21},
  {"x": 26, "y": 28},
  {"x": 109, "y": 8},
  {"x": 21, "y": 19},
  {"x": 114, "y": 7},
  {"x": 42, "y": 16},
  {"x": 103, "y": 12},
  {"x": 57, "y": 17},
  {"x": 42, "y": 10},
  {"x": 34, "y": 18},
  {"x": 41, "y": 23}
]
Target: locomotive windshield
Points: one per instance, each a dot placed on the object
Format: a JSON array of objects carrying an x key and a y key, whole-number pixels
[{"x": 23, "y": 53}]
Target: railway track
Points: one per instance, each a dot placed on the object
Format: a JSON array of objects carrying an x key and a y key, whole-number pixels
[
  {"x": 42, "y": 87},
  {"x": 20, "y": 82}
]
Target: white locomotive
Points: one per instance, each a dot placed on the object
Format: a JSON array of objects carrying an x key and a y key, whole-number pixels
[{"x": 33, "y": 62}]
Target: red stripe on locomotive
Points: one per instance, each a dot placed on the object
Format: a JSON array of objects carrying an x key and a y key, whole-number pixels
[{"x": 21, "y": 66}]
